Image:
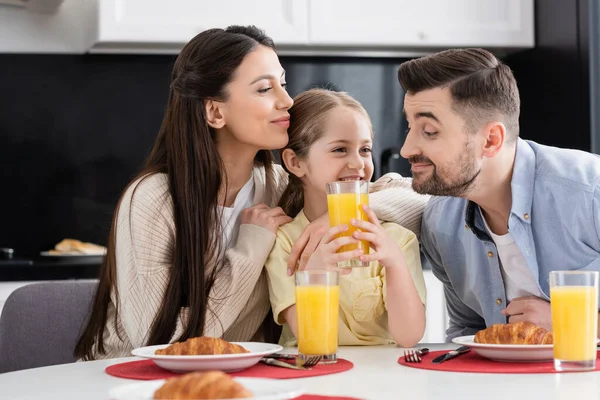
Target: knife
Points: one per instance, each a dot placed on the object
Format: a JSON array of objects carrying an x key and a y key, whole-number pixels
[
  {"x": 277, "y": 363},
  {"x": 450, "y": 355}
]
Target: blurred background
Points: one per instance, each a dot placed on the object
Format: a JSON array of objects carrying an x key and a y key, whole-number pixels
[{"x": 83, "y": 84}]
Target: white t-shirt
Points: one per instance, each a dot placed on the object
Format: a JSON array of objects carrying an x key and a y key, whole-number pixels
[
  {"x": 230, "y": 220},
  {"x": 518, "y": 280}
]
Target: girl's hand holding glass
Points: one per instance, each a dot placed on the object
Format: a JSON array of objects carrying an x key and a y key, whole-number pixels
[
  {"x": 326, "y": 257},
  {"x": 385, "y": 249}
]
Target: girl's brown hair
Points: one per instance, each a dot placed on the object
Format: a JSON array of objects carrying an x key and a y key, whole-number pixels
[
  {"x": 308, "y": 118},
  {"x": 184, "y": 150}
]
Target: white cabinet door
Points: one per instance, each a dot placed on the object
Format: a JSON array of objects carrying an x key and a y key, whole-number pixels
[
  {"x": 435, "y": 23},
  {"x": 177, "y": 21},
  {"x": 437, "y": 317}
]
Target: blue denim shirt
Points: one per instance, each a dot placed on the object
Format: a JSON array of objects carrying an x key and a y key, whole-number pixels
[{"x": 554, "y": 219}]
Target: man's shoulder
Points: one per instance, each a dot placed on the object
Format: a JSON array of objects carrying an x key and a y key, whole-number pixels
[
  {"x": 570, "y": 168},
  {"x": 444, "y": 208}
]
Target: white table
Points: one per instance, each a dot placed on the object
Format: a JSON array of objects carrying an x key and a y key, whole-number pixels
[{"x": 376, "y": 375}]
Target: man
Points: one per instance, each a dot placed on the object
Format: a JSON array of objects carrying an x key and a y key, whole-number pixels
[{"x": 510, "y": 210}]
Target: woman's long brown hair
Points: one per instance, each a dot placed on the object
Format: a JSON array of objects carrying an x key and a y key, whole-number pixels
[
  {"x": 185, "y": 150},
  {"x": 307, "y": 122}
]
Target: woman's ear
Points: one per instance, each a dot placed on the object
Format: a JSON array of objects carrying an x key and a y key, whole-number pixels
[
  {"x": 293, "y": 163},
  {"x": 214, "y": 116}
]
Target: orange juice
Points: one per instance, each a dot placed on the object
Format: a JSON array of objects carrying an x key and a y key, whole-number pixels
[
  {"x": 317, "y": 312},
  {"x": 574, "y": 322},
  {"x": 342, "y": 208}
]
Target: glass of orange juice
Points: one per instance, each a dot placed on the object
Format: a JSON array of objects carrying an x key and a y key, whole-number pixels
[
  {"x": 344, "y": 202},
  {"x": 574, "y": 304},
  {"x": 317, "y": 313}
]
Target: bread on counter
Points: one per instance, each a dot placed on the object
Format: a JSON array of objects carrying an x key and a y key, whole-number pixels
[{"x": 74, "y": 247}]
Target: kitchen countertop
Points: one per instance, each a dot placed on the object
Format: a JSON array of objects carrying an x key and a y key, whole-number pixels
[{"x": 47, "y": 268}]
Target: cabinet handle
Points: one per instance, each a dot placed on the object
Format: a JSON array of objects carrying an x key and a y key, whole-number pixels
[{"x": 288, "y": 11}]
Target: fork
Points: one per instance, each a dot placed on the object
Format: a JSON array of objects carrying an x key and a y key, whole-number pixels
[
  {"x": 277, "y": 363},
  {"x": 311, "y": 361},
  {"x": 298, "y": 362},
  {"x": 414, "y": 356}
]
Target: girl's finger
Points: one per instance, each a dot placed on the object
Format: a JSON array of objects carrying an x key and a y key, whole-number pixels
[
  {"x": 333, "y": 232},
  {"x": 344, "y": 256},
  {"x": 335, "y": 244},
  {"x": 371, "y": 214},
  {"x": 373, "y": 256},
  {"x": 372, "y": 238},
  {"x": 364, "y": 225}
]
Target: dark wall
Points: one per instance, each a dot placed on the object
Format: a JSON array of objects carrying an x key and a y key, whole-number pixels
[
  {"x": 553, "y": 78},
  {"x": 74, "y": 129}
]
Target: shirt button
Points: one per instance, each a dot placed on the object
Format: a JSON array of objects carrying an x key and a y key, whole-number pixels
[
  {"x": 499, "y": 301},
  {"x": 526, "y": 216},
  {"x": 490, "y": 254}
]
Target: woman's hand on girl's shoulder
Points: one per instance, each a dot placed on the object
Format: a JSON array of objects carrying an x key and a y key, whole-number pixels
[
  {"x": 265, "y": 217},
  {"x": 307, "y": 243}
]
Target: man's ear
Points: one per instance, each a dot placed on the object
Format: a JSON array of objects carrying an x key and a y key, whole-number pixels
[
  {"x": 495, "y": 136},
  {"x": 293, "y": 162},
  {"x": 214, "y": 114}
]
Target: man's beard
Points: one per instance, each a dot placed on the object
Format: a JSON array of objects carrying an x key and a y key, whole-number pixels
[{"x": 437, "y": 186}]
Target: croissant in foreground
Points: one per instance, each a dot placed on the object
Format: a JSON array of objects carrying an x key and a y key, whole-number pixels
[
  {"x": 515, "y": 333},
  {"x": 202, "y": 385},
  {"x": 202, "y": 345}
]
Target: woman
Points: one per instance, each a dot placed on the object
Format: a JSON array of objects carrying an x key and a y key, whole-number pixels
[{"x": 173, "y": 268}]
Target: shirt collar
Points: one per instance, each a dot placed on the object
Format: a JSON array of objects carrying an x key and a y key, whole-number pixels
[
  {"x": 522, "y": 184},
  {"x": 523, "y": 181}
]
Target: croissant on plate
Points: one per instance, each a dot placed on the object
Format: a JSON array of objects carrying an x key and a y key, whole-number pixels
[
  {"x": 202, "y": 345},
  {"x": 515, "y": 333},
  {"x": 202, "y": 385}
]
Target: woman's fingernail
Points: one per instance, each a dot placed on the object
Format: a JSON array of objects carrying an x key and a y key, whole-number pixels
[{"x": 289, "y": 272}]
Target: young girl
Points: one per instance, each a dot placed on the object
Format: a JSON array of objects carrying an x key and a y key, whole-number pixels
[{"x": 330, "y": 140}]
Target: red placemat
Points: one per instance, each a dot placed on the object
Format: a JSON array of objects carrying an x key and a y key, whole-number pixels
[
  {"x": 147, "y": 370},
  {"x": 473, "y": 362}
]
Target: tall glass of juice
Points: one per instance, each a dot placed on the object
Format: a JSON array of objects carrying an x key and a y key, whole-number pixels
[
  {"x": 574, "y": 304},
  {"x": 344, "y": 203},
  {"x": 317, "y": 314}
]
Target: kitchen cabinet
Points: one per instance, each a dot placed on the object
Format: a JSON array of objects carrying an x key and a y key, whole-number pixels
[
  {"x": 423, "y": 23},
  {"x": 379, "y": 28},
  {"x": 177, "y": 21}
]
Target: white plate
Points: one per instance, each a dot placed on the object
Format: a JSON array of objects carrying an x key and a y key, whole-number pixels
[
  {"x": 263, "y": 389},
  {"x": 509, "y": 352},
  {"x": 220, "y": 362}
]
